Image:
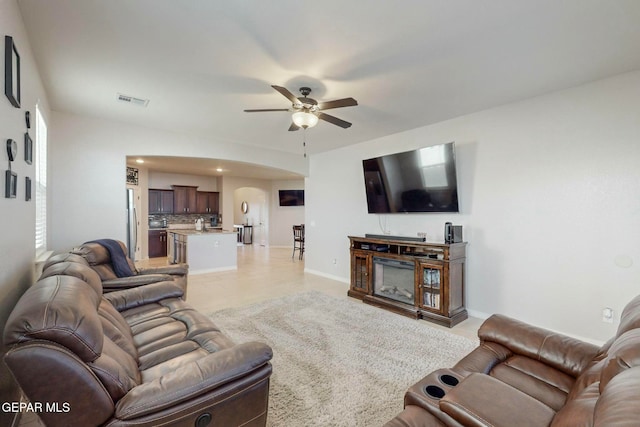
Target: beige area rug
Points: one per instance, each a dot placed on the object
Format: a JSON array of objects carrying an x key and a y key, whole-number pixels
[{"x": 337, "y": 361}]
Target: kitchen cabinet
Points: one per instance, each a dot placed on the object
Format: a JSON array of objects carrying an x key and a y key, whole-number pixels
[
  {"x": 160, "y": 201},
  {"x": 157, "y": 243},
  {"x": 177, "y": 247},
  {"x": 184, "y": 199},
  {"x": 207, "y": 202}
]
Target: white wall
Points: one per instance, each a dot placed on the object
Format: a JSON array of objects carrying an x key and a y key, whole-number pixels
[
  {"x": 88, "y": 171},
  {"x": 284, "y": 217},
  {"x": 261, "y": 208},
  {"x": 550, "y": 204},
  {"x": 277, "y": 231},
  {"x": 164, "y": 180},
  {"x": 17, "y": 246}
]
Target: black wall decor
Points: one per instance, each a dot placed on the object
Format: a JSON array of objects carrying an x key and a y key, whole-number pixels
[
  {"x": 27, "y": 188},
  {"x": 28, "y": 149},
  {"x": 132, "y": 176},
  {"x": 11, "y": 72},
  {"x": 11, "y": 185},
  {"x": 12, "y": 150}
]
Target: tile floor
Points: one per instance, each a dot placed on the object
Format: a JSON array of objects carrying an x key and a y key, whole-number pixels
[{"x": 263, "y": 273}]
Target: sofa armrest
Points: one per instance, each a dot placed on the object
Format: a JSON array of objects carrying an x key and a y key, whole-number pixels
[
  {"x": 141, "y": 295},
  {"x": 482, "y": 400},
  {"x": 194, "y": 379},
  {"x": 174, "y": 270},
  {"x": 133, "y": 281},
  {"x": 564, "y": 353}
]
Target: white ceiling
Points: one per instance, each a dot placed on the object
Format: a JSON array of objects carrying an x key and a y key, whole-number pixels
[{"x": 409, "y": 63}]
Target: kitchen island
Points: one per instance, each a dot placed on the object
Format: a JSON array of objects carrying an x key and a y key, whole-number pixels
[{"x": 205, "y": 251}]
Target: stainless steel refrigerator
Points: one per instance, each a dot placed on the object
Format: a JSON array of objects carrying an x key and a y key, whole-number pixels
[{"x": 132, "y": 223}]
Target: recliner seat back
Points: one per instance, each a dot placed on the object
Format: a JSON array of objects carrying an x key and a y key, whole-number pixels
[{"x": 99, "y": 259}]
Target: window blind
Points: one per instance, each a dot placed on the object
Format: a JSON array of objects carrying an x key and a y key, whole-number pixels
[{"x": 41, "y": 183}]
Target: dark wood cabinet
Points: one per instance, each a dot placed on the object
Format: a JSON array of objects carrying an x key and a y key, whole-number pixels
[
  {"x": 360, "y": 273},
  {"x": 416, "y": 279},
  {"x": 207, "y": 202},
  {"x": 184, "y": 199},
  {"x": 157, "y": 243},
  {"x": 160, "y": 201}
]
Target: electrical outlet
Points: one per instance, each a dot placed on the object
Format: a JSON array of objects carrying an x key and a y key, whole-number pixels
[
  {"x": 422, "y": 234},
  {"x": 335, "y": 261},
  {"x": 607, "y": 315}
]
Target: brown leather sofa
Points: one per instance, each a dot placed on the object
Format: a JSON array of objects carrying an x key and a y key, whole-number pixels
[
  {"x": 522, "y": 375},
  {"x": 137, "y": 356},
  {"x": 99, "y": 259}
]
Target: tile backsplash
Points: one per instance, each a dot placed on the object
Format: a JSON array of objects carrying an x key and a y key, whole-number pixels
[{"x": 183, "y": 218}]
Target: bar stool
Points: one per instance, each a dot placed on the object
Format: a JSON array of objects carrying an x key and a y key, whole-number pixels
[{"x": 298, "y": 240}]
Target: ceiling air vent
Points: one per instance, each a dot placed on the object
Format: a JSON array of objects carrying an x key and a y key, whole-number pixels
[{"x": 133, "y": 100}]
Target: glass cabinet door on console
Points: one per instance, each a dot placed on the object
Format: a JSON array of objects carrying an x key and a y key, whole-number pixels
[
  {"x": 360, "y": 272},
  {"x": 430, "y": 279}
]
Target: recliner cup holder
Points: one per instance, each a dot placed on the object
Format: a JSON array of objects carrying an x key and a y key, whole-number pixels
[
  {"x": 449, "y": 380},
  {"x": 434, "y": 391}
]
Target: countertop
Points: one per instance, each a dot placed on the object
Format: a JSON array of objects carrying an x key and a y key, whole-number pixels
[{"x": 192, "y": 232}]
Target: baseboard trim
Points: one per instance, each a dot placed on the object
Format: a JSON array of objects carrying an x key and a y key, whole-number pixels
[
  {"x": 328, "y": 276},
  {"x": 477, "y": 314},
  {"x": 212, "y": 270}
]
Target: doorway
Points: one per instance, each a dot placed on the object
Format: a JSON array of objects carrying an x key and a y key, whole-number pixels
[{"x": 257, "y": 212}]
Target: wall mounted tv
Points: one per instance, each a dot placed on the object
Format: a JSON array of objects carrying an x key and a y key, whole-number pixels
[
  {"x": 291, "y": 197},
  {"x": 422, "y": 180}
]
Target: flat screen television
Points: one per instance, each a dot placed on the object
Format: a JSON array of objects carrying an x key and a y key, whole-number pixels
[
  {"x": 422, "y": 180},
  {"x": 291, "y": 197}
]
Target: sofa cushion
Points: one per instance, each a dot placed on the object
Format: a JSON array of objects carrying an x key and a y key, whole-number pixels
[
  {"x": 538, "y": 380},
  {"x": 578, "y": 411},
  {"x": 99, "y": 259},
  {"x": 117, "y": 370},
  {"x": 169, "y": 333},
  {"x": 61, "y": 309},
  {"x": 564, "y": 353},
  {"x": 623, "y": 354},
  {"x": 618, "y": 403},
  {"x": 630, "y": 317},
  {"x": 80, "y": 270},
  {"x": 115, "y": 327},
  {"x": 64, "y": 257}
]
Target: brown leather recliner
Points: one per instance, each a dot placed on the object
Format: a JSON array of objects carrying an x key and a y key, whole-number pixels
[
  {"x": 99, "y": 259},
  {"x": 134, "y": 357},
  {"x": 522, "y": 375}
]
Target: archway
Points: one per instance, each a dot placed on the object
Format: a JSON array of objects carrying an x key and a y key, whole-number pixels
[{"x": 257, "y": 212}]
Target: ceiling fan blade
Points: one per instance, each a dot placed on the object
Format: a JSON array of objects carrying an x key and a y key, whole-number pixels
[
  {"x": 285, "y": 92},
  {"x": 293, "y": 127},
  {"x": 333, "y": 120},
  {"x": 266, "y": 109},
  {"x": 338, "y": 103}
]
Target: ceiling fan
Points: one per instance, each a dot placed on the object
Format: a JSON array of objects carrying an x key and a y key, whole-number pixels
[{"x": 307, "y": 111}]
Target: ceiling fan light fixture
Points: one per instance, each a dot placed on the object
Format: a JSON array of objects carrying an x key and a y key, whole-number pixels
[{"x": 304, "y": 119}]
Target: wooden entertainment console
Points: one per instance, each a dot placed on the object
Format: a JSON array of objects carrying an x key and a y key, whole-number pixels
[{"x": 412, "y": 278}]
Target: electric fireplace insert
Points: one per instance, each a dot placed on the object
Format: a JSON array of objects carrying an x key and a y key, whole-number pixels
[{"x": 394, "y": 279}]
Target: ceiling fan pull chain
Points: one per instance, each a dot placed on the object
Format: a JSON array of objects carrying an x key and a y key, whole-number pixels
[{"x": 304, "y": 141}]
